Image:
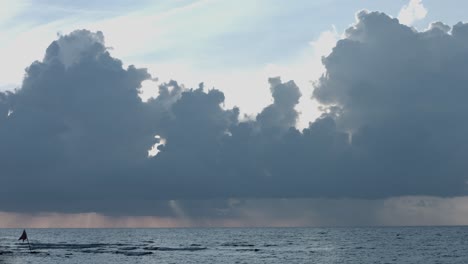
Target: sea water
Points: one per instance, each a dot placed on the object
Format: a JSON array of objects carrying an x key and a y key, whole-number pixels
[{"x": 238, "y": 245}]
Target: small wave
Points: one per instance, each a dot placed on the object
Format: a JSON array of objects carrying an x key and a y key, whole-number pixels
[
  {"x": 39, "y": 253},
  {"x": 175, "y": 249},
  {"x": 128, "y": 248},
  {"x": 248, "y": 249},
  {"x": 93, "y": 251},
  {"x": 73, "y": 246},
  {"x": 270, "y": 245},
  {"x": 237, "y": 244},
  {"x": 132, "y": 254}
]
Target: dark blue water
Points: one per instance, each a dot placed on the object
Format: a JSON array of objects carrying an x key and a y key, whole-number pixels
[{"x": 238, "y": 245}]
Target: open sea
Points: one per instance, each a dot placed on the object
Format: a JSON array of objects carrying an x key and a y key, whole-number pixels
[{"x": 238, "y": 245}]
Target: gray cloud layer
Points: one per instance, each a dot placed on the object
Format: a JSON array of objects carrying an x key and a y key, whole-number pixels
[{"x": 75, "y": 137}]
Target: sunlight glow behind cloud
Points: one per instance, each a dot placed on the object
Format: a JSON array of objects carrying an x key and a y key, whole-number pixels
[{"x": 412, "y": 12}]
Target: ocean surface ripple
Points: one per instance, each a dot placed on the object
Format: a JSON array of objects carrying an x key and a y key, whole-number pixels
[{"x": 238, "y": 245}]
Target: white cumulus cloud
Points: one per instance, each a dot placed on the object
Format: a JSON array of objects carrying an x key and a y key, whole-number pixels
[{"x": 412, "y": 12}]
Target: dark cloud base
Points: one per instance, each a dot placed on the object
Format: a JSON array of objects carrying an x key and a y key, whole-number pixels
[{"x": 75, "y": 137}]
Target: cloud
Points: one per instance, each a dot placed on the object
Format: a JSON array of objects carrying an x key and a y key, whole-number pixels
[
  {"x": 400, "y": 93},
  {"x": 76, "y": 116},
  {"x": 75, "y": 136},
  {"x": 281, "y": 114},
  {"x": 399, "y": 211},
  {"x": 70, "y": 49},
  {"x": 412, "y": 12}
]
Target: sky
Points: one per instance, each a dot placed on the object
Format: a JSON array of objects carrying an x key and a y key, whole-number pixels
[
  {"x": 221, "y": 113},
  {"x": 215, "y": 42}
]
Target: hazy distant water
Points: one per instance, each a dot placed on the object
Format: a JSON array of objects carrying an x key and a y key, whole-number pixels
[{"x": 239, "y": 245}]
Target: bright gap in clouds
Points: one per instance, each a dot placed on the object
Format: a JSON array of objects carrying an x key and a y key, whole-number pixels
[
  {"x": 153, "y": 151},
  {"x": 248, "y": 89}
]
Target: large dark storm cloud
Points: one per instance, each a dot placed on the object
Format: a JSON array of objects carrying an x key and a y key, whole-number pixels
[
  {"x": 75, "y": 137},
  {"x": 402, "y": 94}
]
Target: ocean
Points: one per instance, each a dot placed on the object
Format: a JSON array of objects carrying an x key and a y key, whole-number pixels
[{"x": 238, "y": 245}]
